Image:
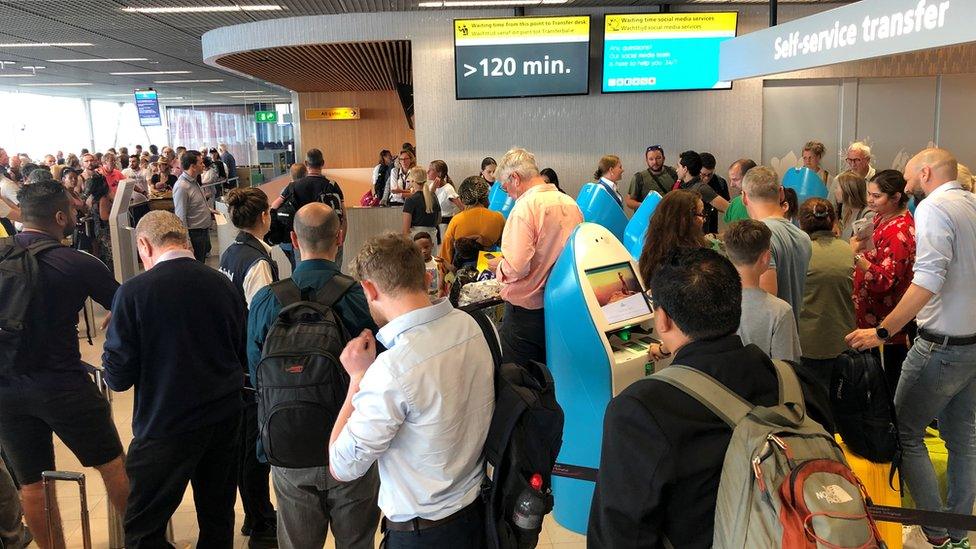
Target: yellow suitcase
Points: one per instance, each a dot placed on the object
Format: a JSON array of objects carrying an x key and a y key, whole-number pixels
[{"x": 875, "y": 479}]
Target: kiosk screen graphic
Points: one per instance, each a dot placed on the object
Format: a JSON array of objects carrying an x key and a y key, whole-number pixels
[
  {"x": 618, "y": 292},
  {"x": 665, "y": 51},
  {"x": 521, "y": 57}
]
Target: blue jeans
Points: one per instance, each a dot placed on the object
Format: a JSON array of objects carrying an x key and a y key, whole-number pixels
[{"x": 939, "y": 382}]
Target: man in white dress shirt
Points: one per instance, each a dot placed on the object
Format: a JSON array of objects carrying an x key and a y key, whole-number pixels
[
  {"x": 421, "y": 409},
  {"x": 938, "y": 378}
]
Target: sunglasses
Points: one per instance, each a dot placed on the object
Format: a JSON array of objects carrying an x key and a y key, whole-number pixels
[{"x": 654, "y": 148}]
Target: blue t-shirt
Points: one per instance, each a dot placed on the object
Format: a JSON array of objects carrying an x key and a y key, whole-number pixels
[{"x": 51, "y": 357}]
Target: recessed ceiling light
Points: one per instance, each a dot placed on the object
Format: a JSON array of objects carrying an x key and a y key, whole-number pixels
[
  {"x": 243, "y": 91},
  {"x": 487, "y": 3},
  {"x": 203, "y": 9},
  {"x": 97, "y": 60},
  {"x": 133, "y": 73},
  {"x": 46, "y": 45},
  {"x": 205, "y": 81},
  {"x": 2, "y": 75},
  {"x": 57, "y": 84},
  {"x": 33, "y": 67}
]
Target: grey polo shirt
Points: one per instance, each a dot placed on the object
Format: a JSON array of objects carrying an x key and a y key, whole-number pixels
[{"x": 190, "y": 203}]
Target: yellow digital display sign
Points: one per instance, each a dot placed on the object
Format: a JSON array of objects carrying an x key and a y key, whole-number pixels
[{"x": 522, "y": 30}]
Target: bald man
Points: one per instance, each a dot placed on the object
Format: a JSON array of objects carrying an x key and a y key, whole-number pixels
[
  {"x": 938, "y": 379},
  {"x": 309, "y": 498}
]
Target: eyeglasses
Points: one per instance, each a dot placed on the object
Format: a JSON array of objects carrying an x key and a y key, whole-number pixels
[{"x": 855, "y": 160}]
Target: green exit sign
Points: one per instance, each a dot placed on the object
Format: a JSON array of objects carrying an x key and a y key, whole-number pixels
[{"x": 266, "y": 116}]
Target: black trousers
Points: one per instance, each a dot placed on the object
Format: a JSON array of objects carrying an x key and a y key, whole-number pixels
[
  {"x": 523, "y": 335},
  {"x": 200, "y": 240},
  {"x": 159, "y": 470},
  {"x": 467, "y": 531},
  {"x": 253, "y": 478}
]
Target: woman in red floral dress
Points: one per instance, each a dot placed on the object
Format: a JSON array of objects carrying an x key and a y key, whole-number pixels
[{"x": 884, "y": 265}]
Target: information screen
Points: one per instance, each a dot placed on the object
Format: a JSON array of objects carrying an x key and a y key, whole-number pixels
[
  {"x": 618, "y": 292},
  {"x": 521, "y": 57},
  {"x": 665, "y": 51},
  {"x": 147, "y": 104}
]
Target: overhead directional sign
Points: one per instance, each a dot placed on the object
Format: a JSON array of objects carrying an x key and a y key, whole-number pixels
[
  {"x": 334, "y": 113},
  {"x": 521, "y": 56},
  {"x": 861, "y": 30}
]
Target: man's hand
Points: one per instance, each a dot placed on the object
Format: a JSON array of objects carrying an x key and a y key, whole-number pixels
[
  {"x": 493, "y": 260},
  {"x": 862, "y": 340},
  {"x": 656, "y": 352},
  {"x": 359, "y": 354}
]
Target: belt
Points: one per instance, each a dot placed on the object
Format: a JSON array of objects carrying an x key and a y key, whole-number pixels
[
  {"x": 946, "y": 340},
  {"x": 417, "y": 524}
]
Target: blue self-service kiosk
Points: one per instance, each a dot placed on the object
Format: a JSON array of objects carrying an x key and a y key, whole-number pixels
[
  {"x": 499, "y": 201},
  {"x": 595, "y": 347},
  {"x": 636, "y": 230},
  {"x": 805, "y": 182},
  {"x": 600, "y": 206}
]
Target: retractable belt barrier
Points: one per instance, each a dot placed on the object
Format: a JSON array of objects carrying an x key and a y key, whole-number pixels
[{"x": 883, "y": 513}]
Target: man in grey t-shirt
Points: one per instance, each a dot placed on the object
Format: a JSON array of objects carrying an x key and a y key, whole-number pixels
[
  {"x": 790, "y": 247},
  {"x": 767, "y": 321}
]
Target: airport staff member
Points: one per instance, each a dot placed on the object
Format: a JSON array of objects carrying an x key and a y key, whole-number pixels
[
  {"x": 535, "y": 234},
  {"x": 190, "y": 204}
]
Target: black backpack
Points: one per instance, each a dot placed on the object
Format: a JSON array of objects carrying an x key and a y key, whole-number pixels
[
  {"x": 283, "y": 217},
  {"x": 524, "y": 439},
  {"x": 18, "y": 285},
  {"x": 862, "y": 407},
  {"x": 300, "y": 383}
]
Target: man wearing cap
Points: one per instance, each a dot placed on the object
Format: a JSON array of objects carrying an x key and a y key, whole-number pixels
[{"x": 657, "y": 177}]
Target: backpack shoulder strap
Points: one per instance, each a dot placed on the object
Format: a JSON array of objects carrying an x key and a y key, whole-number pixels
[
  {"x": 42, "y": 246},
  {"x": 329, "y": 294},
  {"x": 708, "y": 391},
  {"x": 286, "y": 291},
  {"x": 790, "y": 394},
  {"x": 490, "y": 336}
]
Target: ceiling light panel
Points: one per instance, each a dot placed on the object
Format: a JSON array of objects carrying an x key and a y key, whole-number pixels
[
  {"x": 202, "y": 9},
  {"x": 134, "y": 73},
  {"x": 46, "y": 45},
  {"x": 108, "y": 60},
  {"x": 24, "y": 75},
  {"x": 56, "y": 84},
  {"x": 202, "y": 81}
]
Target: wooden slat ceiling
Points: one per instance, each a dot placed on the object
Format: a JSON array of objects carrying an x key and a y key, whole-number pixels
[{"x": 349, "y": 66}]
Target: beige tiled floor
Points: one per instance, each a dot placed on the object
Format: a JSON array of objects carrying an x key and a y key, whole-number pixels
[{"x": 184, "y": 521}]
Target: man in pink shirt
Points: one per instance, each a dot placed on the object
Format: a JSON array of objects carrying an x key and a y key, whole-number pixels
[{"x": 535, "y": 234}]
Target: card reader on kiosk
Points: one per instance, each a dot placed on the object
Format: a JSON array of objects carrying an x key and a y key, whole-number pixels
[
  {"x": 499, "y": 200},
  {"x": 595, "y": 307},
  {"x": 601, "y": 207}
]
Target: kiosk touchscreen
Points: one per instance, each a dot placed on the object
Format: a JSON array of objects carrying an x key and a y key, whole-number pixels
[
  {"x": 600, "y": 206},
  {"x": 598, "y": 331},
  {"x": 636, "y": 231}
]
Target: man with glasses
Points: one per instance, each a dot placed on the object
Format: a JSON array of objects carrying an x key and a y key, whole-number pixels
[
  {"x": 858, "y": 161},
  {"x": 657, "y": 177},
  {"x": 535, "y": 234}
]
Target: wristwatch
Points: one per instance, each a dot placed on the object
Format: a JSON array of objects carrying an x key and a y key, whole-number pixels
[{"x": 883, "y": 334}]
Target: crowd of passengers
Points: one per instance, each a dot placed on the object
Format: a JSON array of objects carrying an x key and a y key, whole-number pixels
[{"x": 738, "y": 272}]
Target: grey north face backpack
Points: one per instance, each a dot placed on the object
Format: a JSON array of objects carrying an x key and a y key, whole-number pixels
[{"x": 785, "y": 481}]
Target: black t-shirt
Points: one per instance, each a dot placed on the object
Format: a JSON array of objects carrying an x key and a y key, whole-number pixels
[
  {"x": 170, "y": 180},
  {"x": 315, "y": 188},
  {"x": 417, "y": 208},
  {"x": 51, "y": 357}
]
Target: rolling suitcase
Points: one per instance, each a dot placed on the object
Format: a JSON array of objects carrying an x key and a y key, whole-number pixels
[{"x": 49, "y": 478}]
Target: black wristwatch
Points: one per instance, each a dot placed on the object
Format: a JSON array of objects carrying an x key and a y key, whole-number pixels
[{"x": 883, "y": 334}]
